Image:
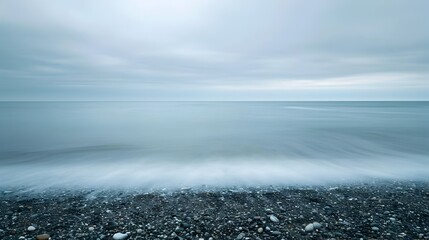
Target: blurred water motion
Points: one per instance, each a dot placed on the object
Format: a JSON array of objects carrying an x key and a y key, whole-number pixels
[{"x": 177, "y": 144}]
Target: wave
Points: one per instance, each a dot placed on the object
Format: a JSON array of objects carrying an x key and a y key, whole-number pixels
[{"x": 152, "y": 173}]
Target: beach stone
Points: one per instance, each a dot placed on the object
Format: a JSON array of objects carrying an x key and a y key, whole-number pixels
[
  {"x": 317, "y": 225},
  {"x": 139, "y": 230},
  {"x": 31, "y": 228},
  {"x": 375, "y": 229},
  {"x": 240, "y": 236},
  {"x": 274, "y": 218},
  {"x": 312, "y": 226},
  {"x": 120, "y": 236},
  {"x": 43, "y": 236},
  {"x": 260, "y": 230},
  {"x": 309, "y": 228},
  {"x": 91, "y": 228}
]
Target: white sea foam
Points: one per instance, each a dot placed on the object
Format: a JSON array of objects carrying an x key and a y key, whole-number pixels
[{"x": 216, "y": 173}]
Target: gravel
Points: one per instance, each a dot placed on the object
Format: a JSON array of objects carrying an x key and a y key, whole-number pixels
[{"x": 387, "y": 210}]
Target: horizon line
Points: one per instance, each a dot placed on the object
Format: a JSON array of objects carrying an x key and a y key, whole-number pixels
[{"x": 214, "y": 100}]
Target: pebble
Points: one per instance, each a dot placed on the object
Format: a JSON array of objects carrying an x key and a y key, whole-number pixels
[
  {"x": 312, "y": 226},
  {"x": 120, "y": 236},
  {"x": 31, "y": 228},
  {"x": 375, "y": 228},
  {"x": 91, "y": 228},
  {"x": 42, "y": 236},
  {"x": 139, "y": 230},
  {"x": 260, "y": 230},
  {"x": 317, "y": 225},
  {"x": 240, "y": 236},
  {"x": 274, "y": 218},
  {"x": 309, "y": 228}
]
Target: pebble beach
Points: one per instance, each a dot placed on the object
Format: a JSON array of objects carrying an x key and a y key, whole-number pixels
[{"x": 387, "y": 210}]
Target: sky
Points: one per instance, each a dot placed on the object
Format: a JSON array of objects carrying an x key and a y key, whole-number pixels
[{"x": 187, "y": 50}]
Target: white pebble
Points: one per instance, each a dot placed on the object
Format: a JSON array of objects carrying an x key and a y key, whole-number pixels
[
  {"x": 31, "y": 228},
  {"x": 309, "y": 227},
  {"x": 91, "y": 228},
  {"x": 120, "y": 236},
  {"x": 274, "y": 218}
]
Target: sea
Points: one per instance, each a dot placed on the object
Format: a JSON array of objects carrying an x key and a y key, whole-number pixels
[{"x": 217, "y": 144}]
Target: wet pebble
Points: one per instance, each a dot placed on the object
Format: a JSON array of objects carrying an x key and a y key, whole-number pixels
[
  {"x": 312, "y": 226},
  {"x": 274, "y": 218},
  {"x": 43, "y": 236},
  {"x": 120, "y": 236},
  {"x": 240, "y": 236},
  {"x": 31, "y": 228}
]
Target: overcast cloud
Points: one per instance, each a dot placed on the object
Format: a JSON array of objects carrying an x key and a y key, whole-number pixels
[{"x": 214, "y": 50}]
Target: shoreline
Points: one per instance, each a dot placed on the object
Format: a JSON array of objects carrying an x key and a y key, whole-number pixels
[{"x": 385, "y": 210}]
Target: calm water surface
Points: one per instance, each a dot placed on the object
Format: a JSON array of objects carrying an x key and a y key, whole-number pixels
[{"x": 178, "y": 144}]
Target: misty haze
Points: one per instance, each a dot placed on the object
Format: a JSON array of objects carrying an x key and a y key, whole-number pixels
[{"x": 213, "y": 120}]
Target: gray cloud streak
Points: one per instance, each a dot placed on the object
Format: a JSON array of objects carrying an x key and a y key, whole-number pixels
[{"x": 214, "y": 50}]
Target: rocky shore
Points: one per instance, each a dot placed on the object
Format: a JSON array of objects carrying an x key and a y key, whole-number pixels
[{"x": 388, "y": 210}]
